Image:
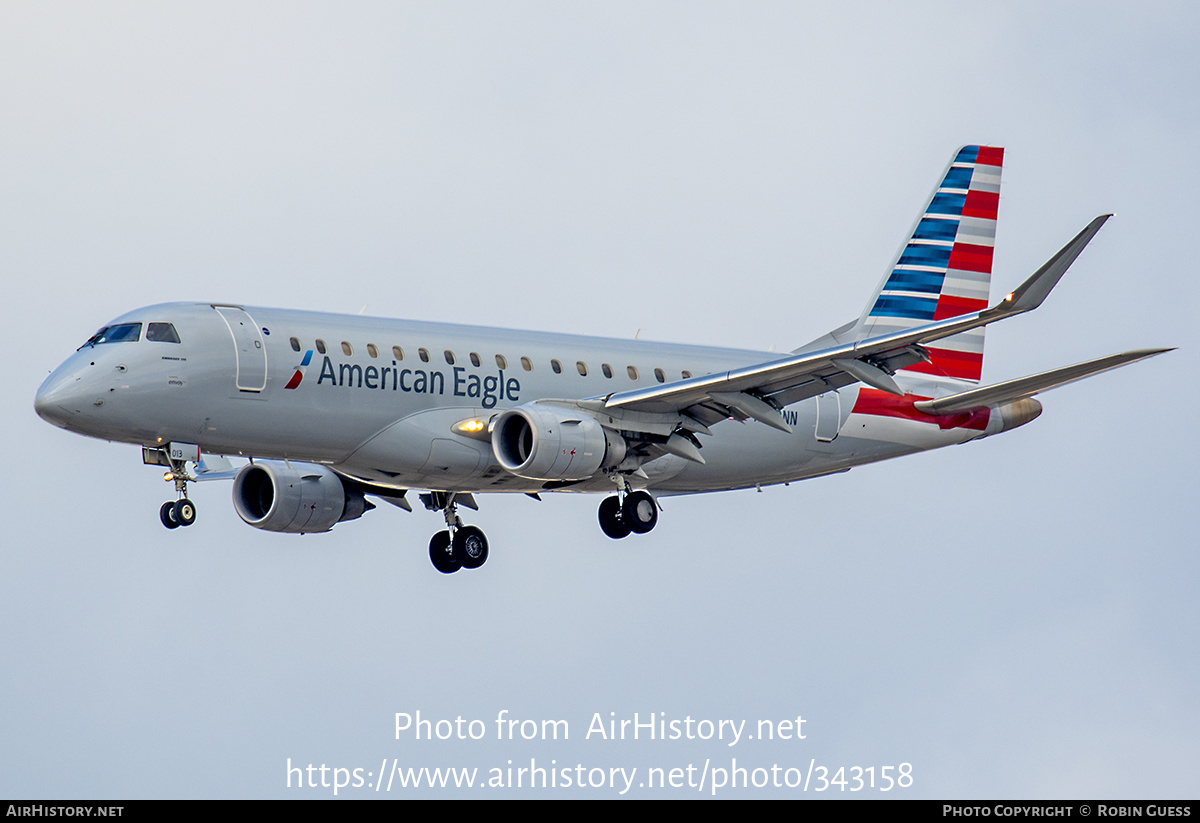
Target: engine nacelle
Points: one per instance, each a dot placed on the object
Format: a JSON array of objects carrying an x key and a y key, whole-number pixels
[
  {"x": 542, "y": 442},
  {"x": 301, "y": 497}
]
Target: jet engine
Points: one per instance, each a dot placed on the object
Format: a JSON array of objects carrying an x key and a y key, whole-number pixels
[
  {"x": 543, "y": 442},
  {"x": 300, "y": 497}
]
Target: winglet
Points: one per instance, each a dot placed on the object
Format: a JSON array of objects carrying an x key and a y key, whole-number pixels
[{"x": 1030, "y": 294}]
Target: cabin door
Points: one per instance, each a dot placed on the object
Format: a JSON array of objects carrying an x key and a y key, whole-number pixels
[{"x": 248, "y": 344}]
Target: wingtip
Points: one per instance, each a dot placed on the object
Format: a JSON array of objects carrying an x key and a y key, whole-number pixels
[{"x": 1030, "y": 294}]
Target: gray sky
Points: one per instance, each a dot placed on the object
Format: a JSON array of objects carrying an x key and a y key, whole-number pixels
[{"x": 1015, "y": 618}]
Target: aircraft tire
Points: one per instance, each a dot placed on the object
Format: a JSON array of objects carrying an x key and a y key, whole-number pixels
[
  {"x": 639, "y": 512},
  {"x": 611, "y": 522},
  {"x": 470, "y": 547},
  {"x": 184, "y": 512},
  {"x": 443, "y": 560},
  {"x": 166, "y": 514}
]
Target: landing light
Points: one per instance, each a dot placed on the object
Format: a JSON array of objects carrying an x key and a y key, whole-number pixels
[{"x": 474, "y": 427}]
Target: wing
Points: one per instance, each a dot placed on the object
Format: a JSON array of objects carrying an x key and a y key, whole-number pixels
[{"x": 760, "y": 391}]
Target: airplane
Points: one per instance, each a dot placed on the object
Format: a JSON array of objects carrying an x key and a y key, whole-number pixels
[{"x": 332, "y": 409}]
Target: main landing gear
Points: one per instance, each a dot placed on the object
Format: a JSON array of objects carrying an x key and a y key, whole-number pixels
[
  {"x": 627, "y": 512},
  {"x": 181, "y": 512},
  {"x": 458, "y": 546}
]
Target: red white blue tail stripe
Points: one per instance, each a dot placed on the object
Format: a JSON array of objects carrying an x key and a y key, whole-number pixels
[{"x": 945, "y": 268}]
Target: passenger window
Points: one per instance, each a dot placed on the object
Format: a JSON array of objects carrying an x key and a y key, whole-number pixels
[
  {"x": 501, "y": 361},
  {"x": 607, "y": 369},
  {"x": 371, "y": 350},
  {"x": 526, "y": 364},
  {"x": 581, "y": 367},
  {"x": 475, "y": 361},
  {"x": 397, "y": 352},
  {"x": 346, "y": 349},
  {"x": 632, "y": 372},
  {"x": 449, "y": 357},
  {"x": 321, "y": 346},
  {"x": 295, "y": 344},
  {"x": 556, "y": 367},
  {"x": 162, "y": 333},
  {"x": 423, "y": 353},
  {"x": 659, "y": 376}
]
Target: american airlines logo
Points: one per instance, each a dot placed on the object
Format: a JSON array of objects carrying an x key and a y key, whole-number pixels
[{"x": 299, "y": 375}]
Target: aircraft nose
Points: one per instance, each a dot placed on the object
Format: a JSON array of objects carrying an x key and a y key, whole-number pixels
[{"x": 56, "y": 399}]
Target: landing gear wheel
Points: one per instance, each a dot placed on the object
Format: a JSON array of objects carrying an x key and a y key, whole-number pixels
[
  {"x": 184, "y": 512},
  {"x": 439, "y": 553},
  {"x": 166, "y": 514},
  {"x": 610, "y": 518},
  {"x": 639, "y": 512},
  {"x": 470, "y": 547}
]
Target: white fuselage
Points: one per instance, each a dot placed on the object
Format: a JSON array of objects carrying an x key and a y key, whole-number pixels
[{"x": 379, "y": 398}]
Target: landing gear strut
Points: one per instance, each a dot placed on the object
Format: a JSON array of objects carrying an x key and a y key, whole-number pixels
[
  {"x": 458, "y": 546},
  {"x": 181, "y": 512},
  {"x": 627, "y": 512}
]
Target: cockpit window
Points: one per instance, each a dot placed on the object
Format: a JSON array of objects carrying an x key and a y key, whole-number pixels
[
  {"x": 162, "y": 333},
  {"x": 120, "y": 333}
]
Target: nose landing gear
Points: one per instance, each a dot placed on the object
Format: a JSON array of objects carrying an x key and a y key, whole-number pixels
[
  {"x": 184, "y": 511},
  {"x": 181, "y": 512}
]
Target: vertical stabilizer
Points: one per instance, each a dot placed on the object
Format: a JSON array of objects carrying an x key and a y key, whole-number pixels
[{"x": 945, "y": 267}]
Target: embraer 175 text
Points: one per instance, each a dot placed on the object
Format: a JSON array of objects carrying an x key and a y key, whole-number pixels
[{"x": 331, "y": 409}]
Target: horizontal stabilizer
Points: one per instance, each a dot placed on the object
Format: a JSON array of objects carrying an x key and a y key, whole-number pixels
[{"x": 1011, "y": 390}]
